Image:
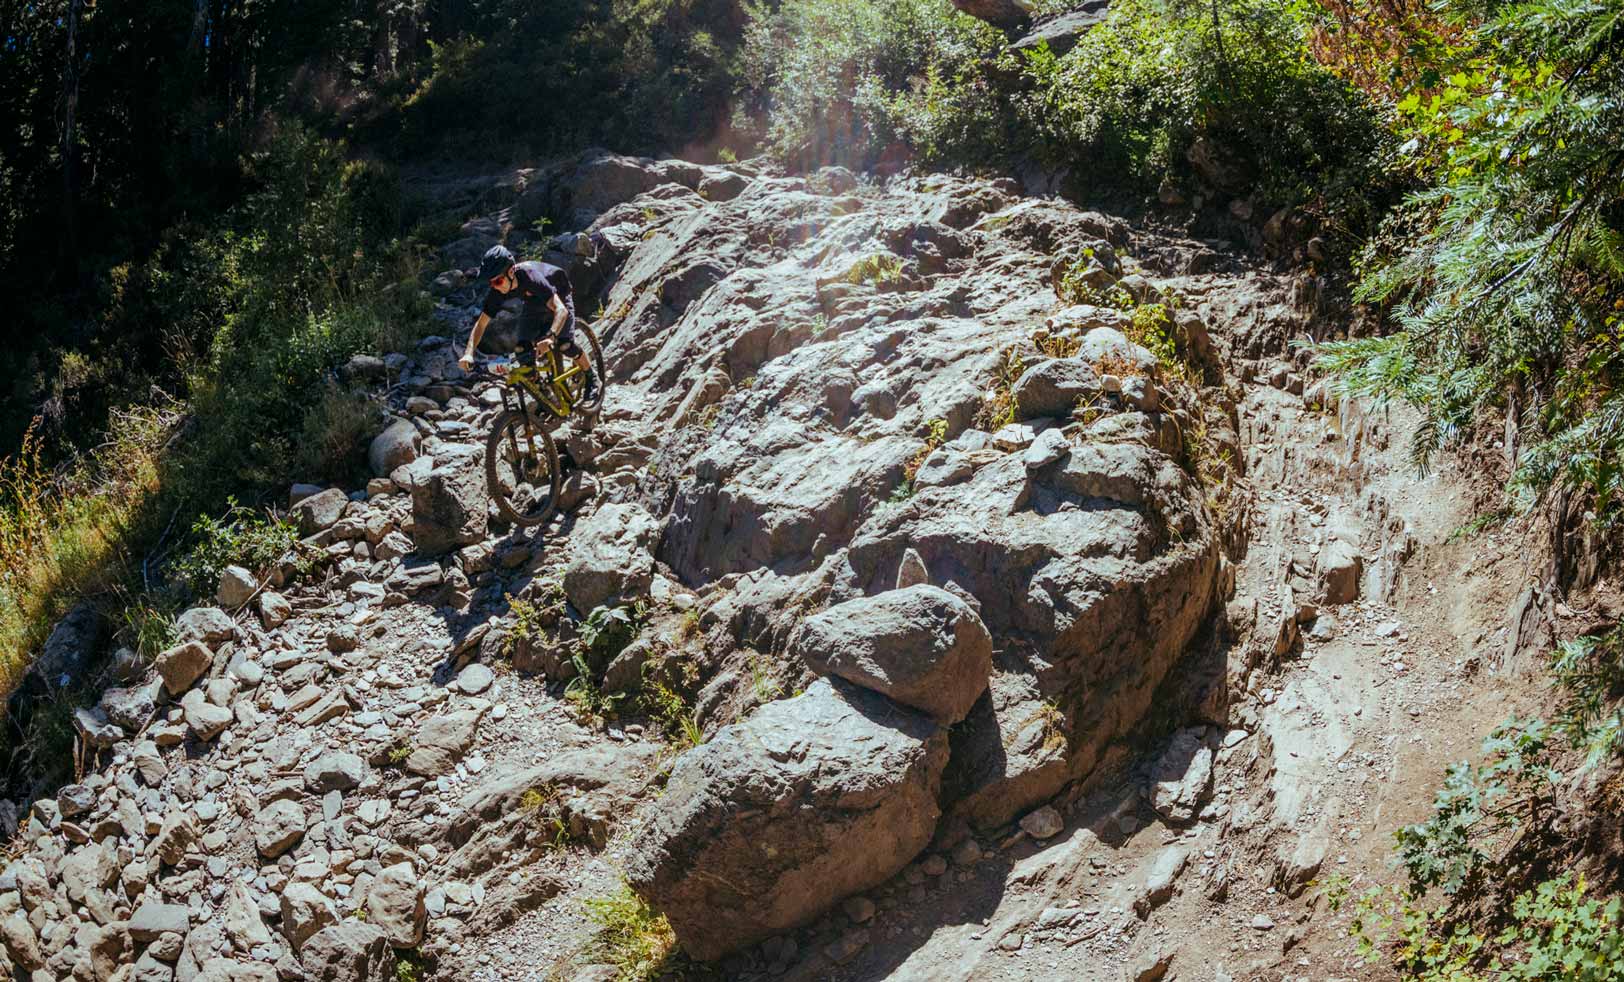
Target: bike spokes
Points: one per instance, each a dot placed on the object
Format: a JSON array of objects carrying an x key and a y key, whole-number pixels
[{"x": 523, "y": 470}]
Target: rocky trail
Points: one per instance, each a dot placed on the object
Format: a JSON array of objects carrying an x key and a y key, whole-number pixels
[{"x": 1017, "y": 649}]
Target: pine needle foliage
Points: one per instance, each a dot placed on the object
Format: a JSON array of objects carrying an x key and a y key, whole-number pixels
[{"x": 1508, "y": 275}]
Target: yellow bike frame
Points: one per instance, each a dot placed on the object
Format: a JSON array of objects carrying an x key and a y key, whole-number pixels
[{"x": 526, "y": 378}]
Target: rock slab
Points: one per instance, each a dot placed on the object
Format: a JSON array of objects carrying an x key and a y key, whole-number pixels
[
  {"x": 780, "y": 817},
  {"x": 921, "y": 646},
  {"x": 611, "y": 557},
  {"x": 450, "y": 503}
]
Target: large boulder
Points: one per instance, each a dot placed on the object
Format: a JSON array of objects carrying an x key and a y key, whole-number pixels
[
  {"x": 779, "y": 817},
  {"x": 1104, "y": 550},
  {"x": 132, "y": 708},
  {"x": 237, "y": 586},
  {"x": 999, "y": 13},
  {"x": 337, "y": 770},
  {"x": 278, "y": 827},
  {"x": 1339, "y": 567},
  {"x": 442, "y": 741},
  {"x": 1110, "y": 349},
  {"x": 204, "y": 718},
  {"x": 395, "y": 905},
  {"x": 611, "y": 557},
  {"x": 1055, "y": 387},
  {"x": 450, "y": 502},
  {"x": 589, "y": 785},
  {"x": 320, "y": 511},
  {"x": 396, "y": 446},
  {"x": 922, "y": 646},
  {"x": 1181, "y": 780},
  {"x": 1062, "y": 32},
  {"x": 305, "y": 911},
  {"x": 350, "y": 951},
  {"x": 786, "y": 481},
  {"x": 94, "y": 728},
  {"x": 69, "y": 648},
  {"x": 210, "y": 625},
  {"x": 595, "y": 182},
  {"x": 182, "y": 665}
]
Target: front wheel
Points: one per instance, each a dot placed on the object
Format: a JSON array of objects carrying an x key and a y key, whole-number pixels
[
  {"x": 521, "y": 468},
  {"x": 588, "y": 409}
]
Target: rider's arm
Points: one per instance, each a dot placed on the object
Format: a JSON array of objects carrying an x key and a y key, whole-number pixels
[
  {"x": 560, "y": 313},
  {"x": 473, "y": 339}
]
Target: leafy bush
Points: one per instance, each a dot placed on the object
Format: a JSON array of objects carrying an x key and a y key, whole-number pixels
[
  {"x": 1228, "y": 82},
  {"x": 147, "y": 623},
  {"x": 840, "y": 81},
  {"x": 632, "y": 74},
  {"x": 1477, "y": 808},
  {"x": 602, "y": 636},
  {"x": 1590, "y": 672},
  {"x": 1554, "y": 934},
  {"x": 335, "y": 429},
  {"x": 998, "y": 407},
  {"x": 1465, "y": 849},
  {"x": 240, "y": 537},
  {"x": 544, "y": 808},
  {"x": 875, "y": 270},
  {"x": 607, "y": 631},
  {"x": 1151, "y": 327}
]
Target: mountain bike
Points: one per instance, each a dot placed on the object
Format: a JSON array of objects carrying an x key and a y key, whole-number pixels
[{"x": 522, "y": 470}]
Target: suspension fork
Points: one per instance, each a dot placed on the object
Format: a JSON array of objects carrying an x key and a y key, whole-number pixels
[{"x": 520, "y": 468}]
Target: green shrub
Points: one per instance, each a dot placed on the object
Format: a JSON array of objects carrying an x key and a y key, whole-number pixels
[
  {"x": 671, "y": 711},
  {"x": 1589, "y": 672},
  {"x": 838, "y": 81},
  {"x": 763, "y": 680},
  {"x": 147, "y": 623},
  {"x": 608, "y": 630},
  {"x": 335, "y": 429},
  {"x": 1140, "y": 90},
  {"x": 635, "y": 75},
  {"x": 632, "y": 936},
  {"x": 1554, "y": 933},
  {"x": 1478, "y": 808},
  {"x": 875, "y": 270},
  {"x": 240, "y": 537},
  {"x": 1483, "y": 818},
  {"x": 1504, "y": 274}
]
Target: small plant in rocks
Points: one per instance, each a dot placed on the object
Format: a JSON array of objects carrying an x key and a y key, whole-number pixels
[
  {"x": 876, "y": 269},
  {"x": 240, "y": 537},
  {"x": 632, "y": 936}
]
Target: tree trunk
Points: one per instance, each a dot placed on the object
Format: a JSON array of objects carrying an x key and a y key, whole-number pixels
[
  {"x": 196, "y": 76},
  {"x": 200, "y": 22},
  {"x": 70, "y": 149},
  {"x": 406, "y": 37},
  {"x": 382, "y": 63}
]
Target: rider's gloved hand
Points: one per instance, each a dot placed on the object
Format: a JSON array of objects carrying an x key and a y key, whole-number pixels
[{"x": 466, "y": 361}]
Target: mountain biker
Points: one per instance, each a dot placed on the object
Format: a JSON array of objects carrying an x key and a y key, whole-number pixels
[{"x": 545, "y": 288}]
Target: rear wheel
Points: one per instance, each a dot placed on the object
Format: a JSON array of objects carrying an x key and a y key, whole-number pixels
[
  {"x": 588, "y": 342},
  {"x": 521, "y": 468}
]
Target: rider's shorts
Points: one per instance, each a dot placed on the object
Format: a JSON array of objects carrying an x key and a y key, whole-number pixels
[{"x": 533, "y": 329}]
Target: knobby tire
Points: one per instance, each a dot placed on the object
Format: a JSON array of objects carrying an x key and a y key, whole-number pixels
[{"x": 507, "y": 430}]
